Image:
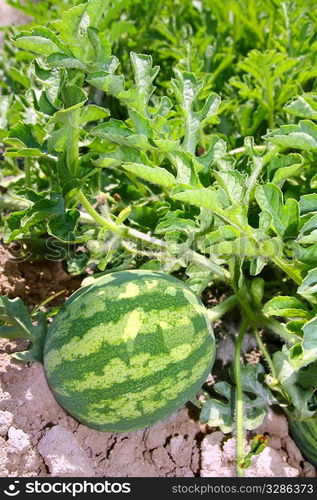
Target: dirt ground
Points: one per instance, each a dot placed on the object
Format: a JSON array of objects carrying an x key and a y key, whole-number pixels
[
  {"x": 38, "y": 438},
  {"x": 10, "y": 16}
]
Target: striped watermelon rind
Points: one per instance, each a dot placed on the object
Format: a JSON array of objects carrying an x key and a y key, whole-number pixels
[
  {"x": 304, "y": 434},
  {"x": 128, "y": 350}
]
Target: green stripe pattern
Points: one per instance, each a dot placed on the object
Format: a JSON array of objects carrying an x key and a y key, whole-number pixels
[
  {"x": 128, "y": 350},
  {"x": 304, "y": 434}
]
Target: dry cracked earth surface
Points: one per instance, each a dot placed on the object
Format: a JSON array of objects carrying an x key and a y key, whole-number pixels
[{"x": 38, "y": 438}]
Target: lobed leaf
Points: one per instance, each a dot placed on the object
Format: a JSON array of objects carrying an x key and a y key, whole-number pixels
[
  {"x": 304, "y": 106},
  {"x": 302, "y": 136},
  {"x": 286, "y": 306},
  {"x": 156, "y": 175}
]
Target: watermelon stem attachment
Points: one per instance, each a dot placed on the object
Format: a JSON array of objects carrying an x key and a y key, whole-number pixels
[{"x": 239, "y": 396}]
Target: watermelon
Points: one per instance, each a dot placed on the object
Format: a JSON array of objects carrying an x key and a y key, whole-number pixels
[
  {"x": 128, "y": 350},
  {"x": 304, "y": 434}
]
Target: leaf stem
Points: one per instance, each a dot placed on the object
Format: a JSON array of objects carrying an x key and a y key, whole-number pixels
[
  {"x": 137, "y": 251},
  {"x": 108, "y": 225},
  {"x": 257, "y": 318},
  {"x": 275, "y": 326},
  {"x": 277, "y": 384},
  {"x": 242, "y": 150},
  {"x": 220, "y": 309},
  {"x": 239, "y": 395},
  {"x": 47, "y": 300},
  {"x": 73, "y": 151},
  {"x": 265, "y": 353},
  {"x": 27, "y": 170},
  {"x": 270, "y": 99},
  {"x": 129, "y": 232}
]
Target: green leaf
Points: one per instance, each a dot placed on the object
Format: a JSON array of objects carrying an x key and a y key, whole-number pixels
[
  {"x": 187, "y": 89},
  {"x": 93, "y": 113},
  {"x": 24, "y": 153},
  {"x": 74, "y": 25},
  {"x": 304, "y": 106},
  {"x": 296, "y": 326},
  {"x": 217, "y": 149},
  {"x": 198, "y": 278},
  {"x": 283, "y": 167},
  {"x": 25, "y": 135},
  {"x": 307, "y": 255},
  {"x": 218, "y": 413},
  {"x": 61, "y": 60},
  {"x": 308, "y": 203},
  {"x": 186, "y": 168},
  {"x": 137, "y": 96},
  {"x": 257, "y": 290},
  {"x": 16, "y": 314},
  {"x": 156, "y": 175},
  {"x": 64, "y": 139},
  {"x": 176, "y": 222},
  {"x": 300, "y": 385},
  {"x": 5, "y": 102},
  {"x": 258, "y": 444},
  {"x": 19, "y": 78},
  {"x": 144, "y": 76},
  {"x": 117, "y": 132},
  {"x": 267, "y": 81},
  {"x": 124, "y": 154},
  {"x": 208, "y": 198},
  {"x": 233, "y": 183},
  {"x": 301, "y": 136},
  {"x": 37, "y": 44},
  {"x": 241, "y": 247},
  {"x": 221, "y": 414},
  {"x": 286, "y": 306},
  {"x": 77, "y": 263},
  {"x": 285, "y": 218},
  {"x": 63, "y": 226},
  {"x": 146, "y": 217},
  {"x": 95, "y": 10},
  {"x": 308, "y": 288},
  {"x": 106, "y": 81},
  {"x": 309, "y": 344},
  {"x": 256, "y": 265},
  {"x": 304, "y": 353},
  {"x": 20, "y": 223},
  {"x": 224, "y": 232},
  {"x": 308, "y": 233},
  {"x": 313, "y": 182}
]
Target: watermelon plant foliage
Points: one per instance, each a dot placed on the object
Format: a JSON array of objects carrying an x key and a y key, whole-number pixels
[{"x": 178, "y": 136}]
